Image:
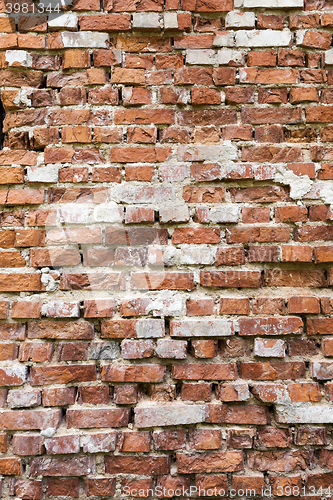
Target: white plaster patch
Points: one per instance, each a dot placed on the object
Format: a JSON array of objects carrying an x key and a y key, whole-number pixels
[
  {"x": 48, "y": 173},
  {"x": 49, "y": 432},
  {"x": 68, "y": 20},
  {"x": 170, "y": 20},
  {"x": 22, "y": 98},
  {"x": 189, "y": 255},
  {"x": 108, "y": 212},
  {"x": 299, "y": 185},
  {"x": 18, "y": 58},
  {"x": 273, "y": 4},
  {"x": 224, "y": 214},
  {"x": 48, "y": 281},
  {"x": 263, "y": 38},
  {"x": 84, "y": 39},
  {"x": 225, "y": 56},
  {"x": 329, "y": 57},
  {"x": 165, "y": 303},
  {"x": 201, "y": 56}
]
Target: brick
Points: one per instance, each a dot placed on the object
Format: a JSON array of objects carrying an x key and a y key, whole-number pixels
[
  {"x": 152, "y": 465},
  {"x": 269, "y": 348},
  {"x": 62, "y": 445},
  {"x": 169, "y": 440},
  {"x": 93, "y": 395},
  {"x": 241, "y": 414},
  {"x": 10, "y": 466},
  {"x": 274, "y": 438},
  {"x": 210, "y": 462},
  {"x": 142, "y": 373},
  {"x": 60, "y": 330},
  {"x": 319, "y": 326},
  {"x": 27, "y": 445},
  {"x": 229, "y": 279},
  {"x": 233, "y": 392},
  {"x": 196, "y": 392},
  {"x": 182, "y": 131},
  {"x": 234, "y": 306},
  {"x": 272, "y": 370},
  {"x": 204, "y": 348},
  {"x": 267, "y": 305},
  {"x": 67, "y": 487},
  {"x": 33, "y": 419}
]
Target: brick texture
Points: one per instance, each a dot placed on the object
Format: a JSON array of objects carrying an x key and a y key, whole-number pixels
[{"x": 166, "y": 242}]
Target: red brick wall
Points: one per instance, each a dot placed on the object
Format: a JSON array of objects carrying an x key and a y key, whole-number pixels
[{"x": 165, "y": 292}]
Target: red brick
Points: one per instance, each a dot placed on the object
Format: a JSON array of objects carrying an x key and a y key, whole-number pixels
[{"x": 152, "y": 465}]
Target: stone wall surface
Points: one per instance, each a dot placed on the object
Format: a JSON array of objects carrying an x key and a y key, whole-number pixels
[{"x": 166, "y": 305}]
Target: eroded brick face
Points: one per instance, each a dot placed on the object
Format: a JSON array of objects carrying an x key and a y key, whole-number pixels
[{"x": 166, "y": 306}]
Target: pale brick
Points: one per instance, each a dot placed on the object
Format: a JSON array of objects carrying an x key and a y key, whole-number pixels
[
  {"x": 146, "y": 20},
  {"x": 175, "y": 414},
  {"x": 142, "y": 194},
  {"x": 61, "y": 310},
  {"x": 240, "y": 20},
  {"x": 104, "y": 350},
  {"x": 99, "y": 443},
  {"x": 171, "y": 213},
  {"x": 322, "y": 370},
  {"x": 263, "y": 38},
  {"x": 23, "y": 399},
  {"x": 68, "y": 21},
  {"x": 171, "y": 349},
  {"x": 303, "y": 414},
  {"x": 85, "y": 39},
  {"x": 189, "y": 255},
  {"x": 170, "y": 21},
  {"x": 227, "y": 56},
  {"x": 269, "y": 348},
  {"x": 328, "y": 57},
  {"x": 273, "y": 4}
]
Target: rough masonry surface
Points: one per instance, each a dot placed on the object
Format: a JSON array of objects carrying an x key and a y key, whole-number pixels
[{"x": 166, "y": 305}]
